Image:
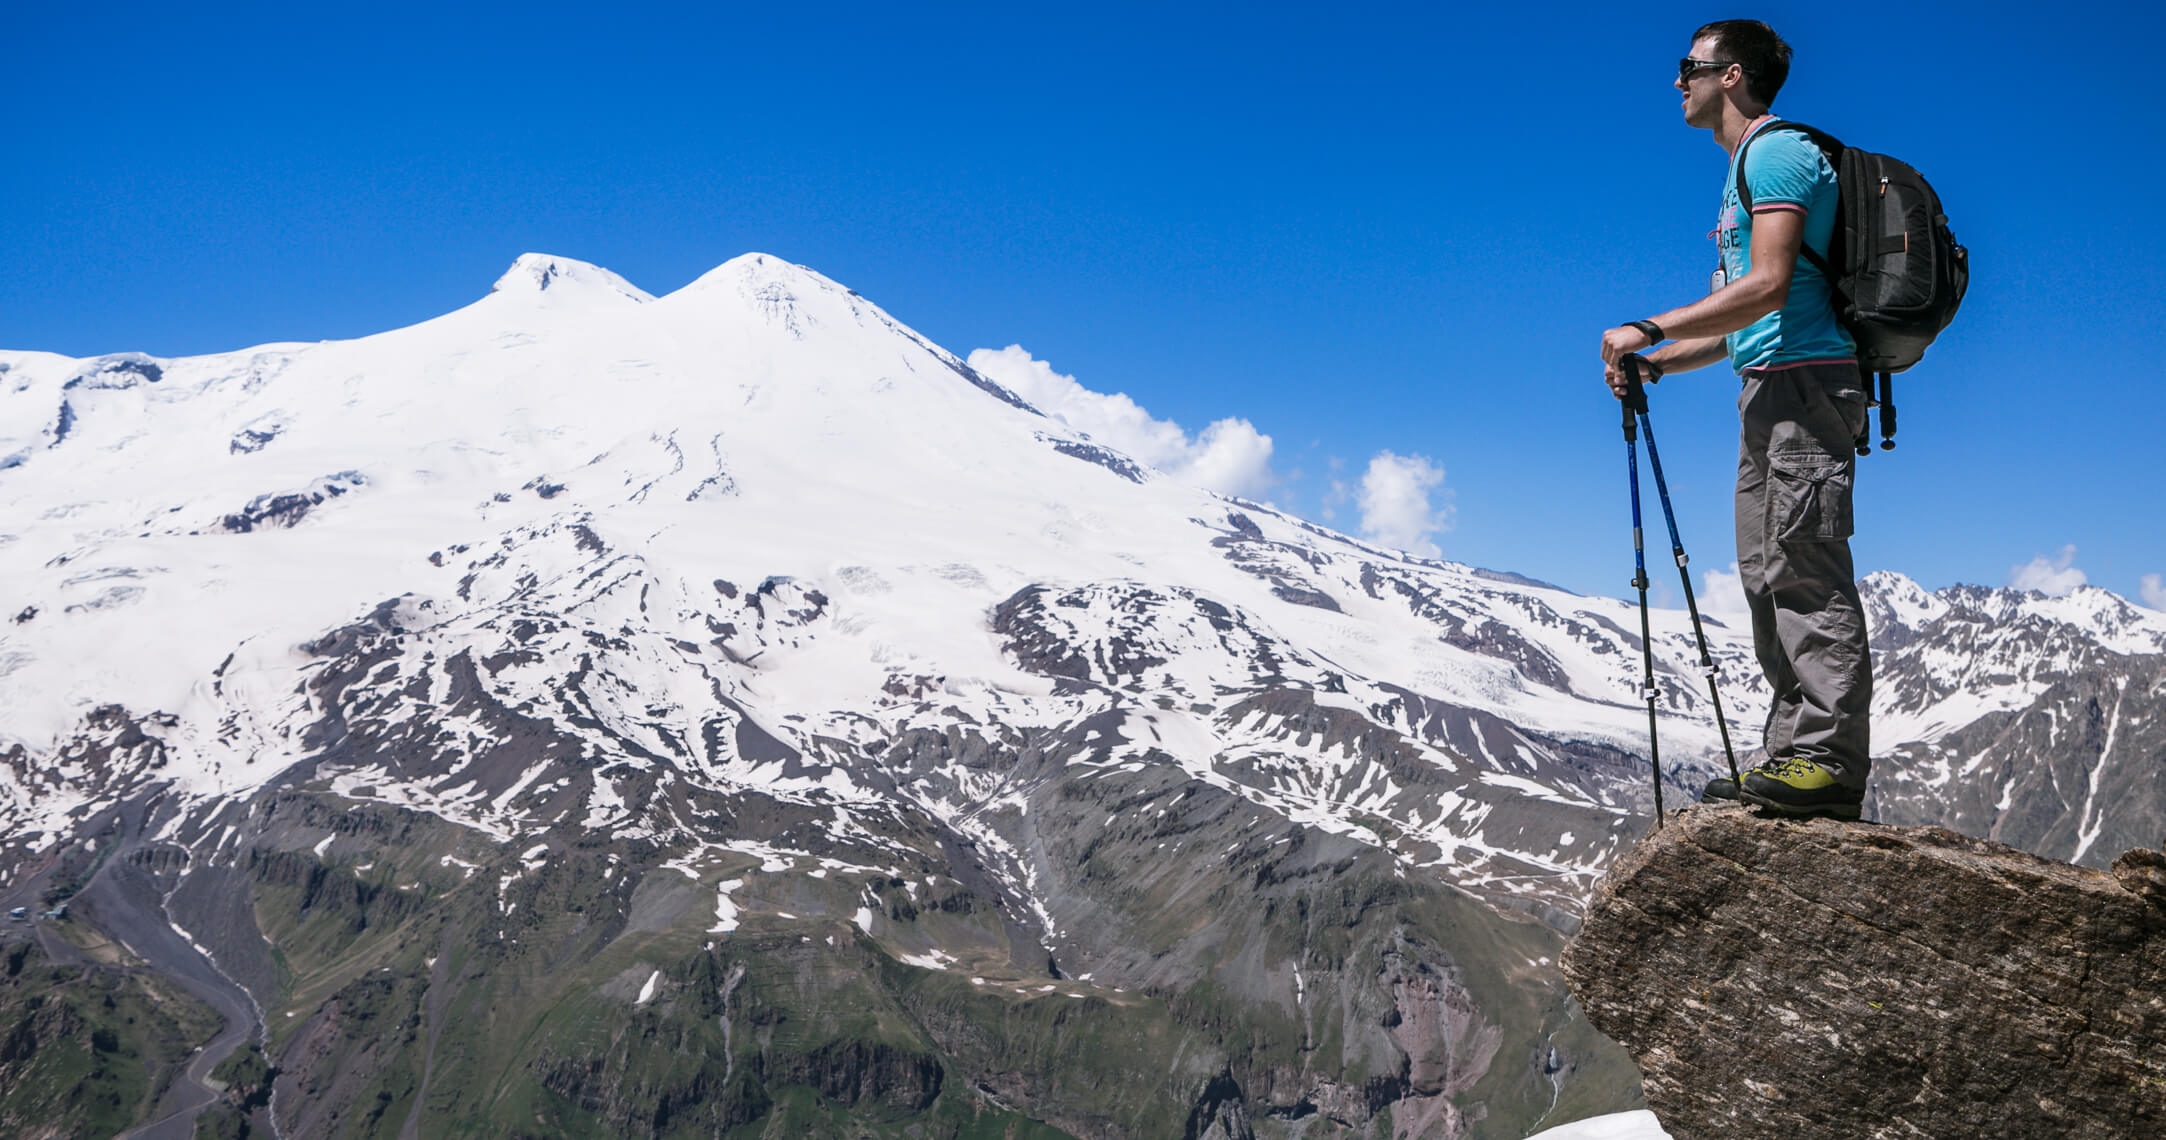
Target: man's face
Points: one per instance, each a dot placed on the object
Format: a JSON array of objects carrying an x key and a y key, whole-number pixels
[{"x": 1703, "y": 89}]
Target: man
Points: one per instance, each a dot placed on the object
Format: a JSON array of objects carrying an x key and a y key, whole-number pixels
[{"x": 1802, "y": 406}]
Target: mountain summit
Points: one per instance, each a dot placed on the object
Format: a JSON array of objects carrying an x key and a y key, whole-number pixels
[{"x": 536, "y": 273}]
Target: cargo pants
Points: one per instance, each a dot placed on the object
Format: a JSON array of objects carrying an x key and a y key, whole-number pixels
[{"x": 1795, "y": 469}]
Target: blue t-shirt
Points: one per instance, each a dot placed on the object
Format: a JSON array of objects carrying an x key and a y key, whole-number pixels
[{"x": 1787, "y": 172}]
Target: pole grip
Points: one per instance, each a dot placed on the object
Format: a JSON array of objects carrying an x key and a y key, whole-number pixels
[{"x": 1635, "y": 394}]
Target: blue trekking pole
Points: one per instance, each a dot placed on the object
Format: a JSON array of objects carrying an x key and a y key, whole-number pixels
[{"x": 1636, "y": 402}]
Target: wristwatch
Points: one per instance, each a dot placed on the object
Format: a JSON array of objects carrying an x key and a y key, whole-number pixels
[{"x": 1653, "y": 331}]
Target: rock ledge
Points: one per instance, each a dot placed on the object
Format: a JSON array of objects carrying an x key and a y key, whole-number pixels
[{"x": 1848, "y": 980}]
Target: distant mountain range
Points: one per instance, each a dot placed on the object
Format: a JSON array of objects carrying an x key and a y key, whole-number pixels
[{"x": 728, "y": 713}]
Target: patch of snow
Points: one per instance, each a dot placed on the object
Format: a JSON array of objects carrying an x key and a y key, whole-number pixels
[
  {"x": 725, "y": 911},
  {"x": 1640, "y": 1125},
  {"x": 935, "y": 959}
]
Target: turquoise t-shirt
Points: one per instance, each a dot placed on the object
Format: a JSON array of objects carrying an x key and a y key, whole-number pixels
[{"x": 1787, "y": 172}]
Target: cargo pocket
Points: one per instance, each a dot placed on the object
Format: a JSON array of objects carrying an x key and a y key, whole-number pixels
[{"x": 1810, "y": 496}]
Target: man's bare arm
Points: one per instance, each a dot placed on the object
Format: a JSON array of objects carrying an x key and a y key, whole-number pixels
[
  {"x": 1686, "y": 355},
  {"x": 1677, "y": 356},
  {"x": 1776, "y": 237},
  {"x": 1700, "y": 326}
]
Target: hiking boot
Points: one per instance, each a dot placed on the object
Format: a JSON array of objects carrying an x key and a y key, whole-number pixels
[
  {"x": 1800, "y": 788},
  {"x": 1724, "y": 788}
]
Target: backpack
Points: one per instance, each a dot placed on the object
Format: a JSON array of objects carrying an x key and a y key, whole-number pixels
[{"x": 1895, "y": 271}]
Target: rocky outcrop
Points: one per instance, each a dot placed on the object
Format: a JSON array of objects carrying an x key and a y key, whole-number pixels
[{"x": 1849, "y": 980}]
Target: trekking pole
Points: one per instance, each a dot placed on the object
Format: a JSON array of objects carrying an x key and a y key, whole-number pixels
[
  {"x": 1635, "y": 400},
  {"x": 1684, "y": 575}
]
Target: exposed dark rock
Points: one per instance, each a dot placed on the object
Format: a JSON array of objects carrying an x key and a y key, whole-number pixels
[
  {"x": 123, "y": 370},
  {"x": 250, "y": 440},
  {"x": 360, "y": 635},
  {"x": 287, "y": 509},
  {"x": 105, "y": 373},
  {"x": 1020, "y": 619},
  {"x": 979, "y": 381},
  {"x": 1107, "y": 458},
  {"x": 1286, "y": 566},
  {"x": 1849, "y": 980},
  {"x": 1299, "y": 596},
  {"x": 720, "y": 483}
]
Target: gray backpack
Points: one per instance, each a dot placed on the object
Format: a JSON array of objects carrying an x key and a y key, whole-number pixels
[{"x": 1896, "y": 272}]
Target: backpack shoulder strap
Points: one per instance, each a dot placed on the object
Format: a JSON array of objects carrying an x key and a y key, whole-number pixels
[{"x": 1830, "y": 147}]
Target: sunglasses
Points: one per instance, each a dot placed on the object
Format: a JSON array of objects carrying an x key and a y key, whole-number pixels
[{"x": 1689, "y": 67}]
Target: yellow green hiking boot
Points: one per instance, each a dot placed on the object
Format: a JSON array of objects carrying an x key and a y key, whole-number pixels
[
  {"x": 1723, "y": 788},
  {"x": 1800, "y": 787}
]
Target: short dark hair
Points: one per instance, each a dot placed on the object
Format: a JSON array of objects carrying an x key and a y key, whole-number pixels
[{"x": 1754, "y": 45}]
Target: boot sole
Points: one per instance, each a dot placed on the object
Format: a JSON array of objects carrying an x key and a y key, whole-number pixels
[{"x": 1803, "y": 811}]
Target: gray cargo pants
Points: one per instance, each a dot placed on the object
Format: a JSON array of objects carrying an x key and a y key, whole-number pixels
[{"x": 1795, "y": 465}]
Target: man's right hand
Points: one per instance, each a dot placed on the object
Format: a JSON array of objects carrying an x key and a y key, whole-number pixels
[{"x": 1619, "y": 383}]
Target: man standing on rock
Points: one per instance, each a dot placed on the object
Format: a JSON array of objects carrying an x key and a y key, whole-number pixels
[{"x": 1802, "y": 405}]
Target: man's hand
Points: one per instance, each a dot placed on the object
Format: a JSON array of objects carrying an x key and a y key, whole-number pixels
[
  {"x": 1620, "y": 340},
  {"x": 1617, "y": 343},
  {"x": 1619, "y": 382}
]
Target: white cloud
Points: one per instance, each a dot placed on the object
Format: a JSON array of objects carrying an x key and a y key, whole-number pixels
[
  {"x": 2154, "y": 592},
  {"x": 1396, "y": 507},
  {"x": 1229, "y": 456},
  {"x": 2056, "y": 577},
  {"x": 1723, "y": 592},
  {"x": 1232, "y": 457}
]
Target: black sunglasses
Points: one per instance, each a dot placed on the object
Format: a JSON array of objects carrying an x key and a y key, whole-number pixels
[{"x": 1688, "y": 66}]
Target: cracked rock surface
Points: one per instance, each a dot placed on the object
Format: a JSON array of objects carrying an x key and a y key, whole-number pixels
[{"x": 1828, "y": 979}]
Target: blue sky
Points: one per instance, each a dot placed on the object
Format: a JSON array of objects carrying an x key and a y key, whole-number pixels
[{"x": 1360, "y": 228}]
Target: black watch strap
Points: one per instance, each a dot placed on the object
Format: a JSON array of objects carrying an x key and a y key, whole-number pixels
[{"x": 1653, "y": 331}]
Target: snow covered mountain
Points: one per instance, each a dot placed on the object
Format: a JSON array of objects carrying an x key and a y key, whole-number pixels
[
  {"x": 758, "y": 494},
  {"x": 588, "y": 602},
  {"x": 2033, "y": 720}
]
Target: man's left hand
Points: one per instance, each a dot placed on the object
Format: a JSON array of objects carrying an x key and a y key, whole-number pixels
[{"x": 1623, "y": 339}]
